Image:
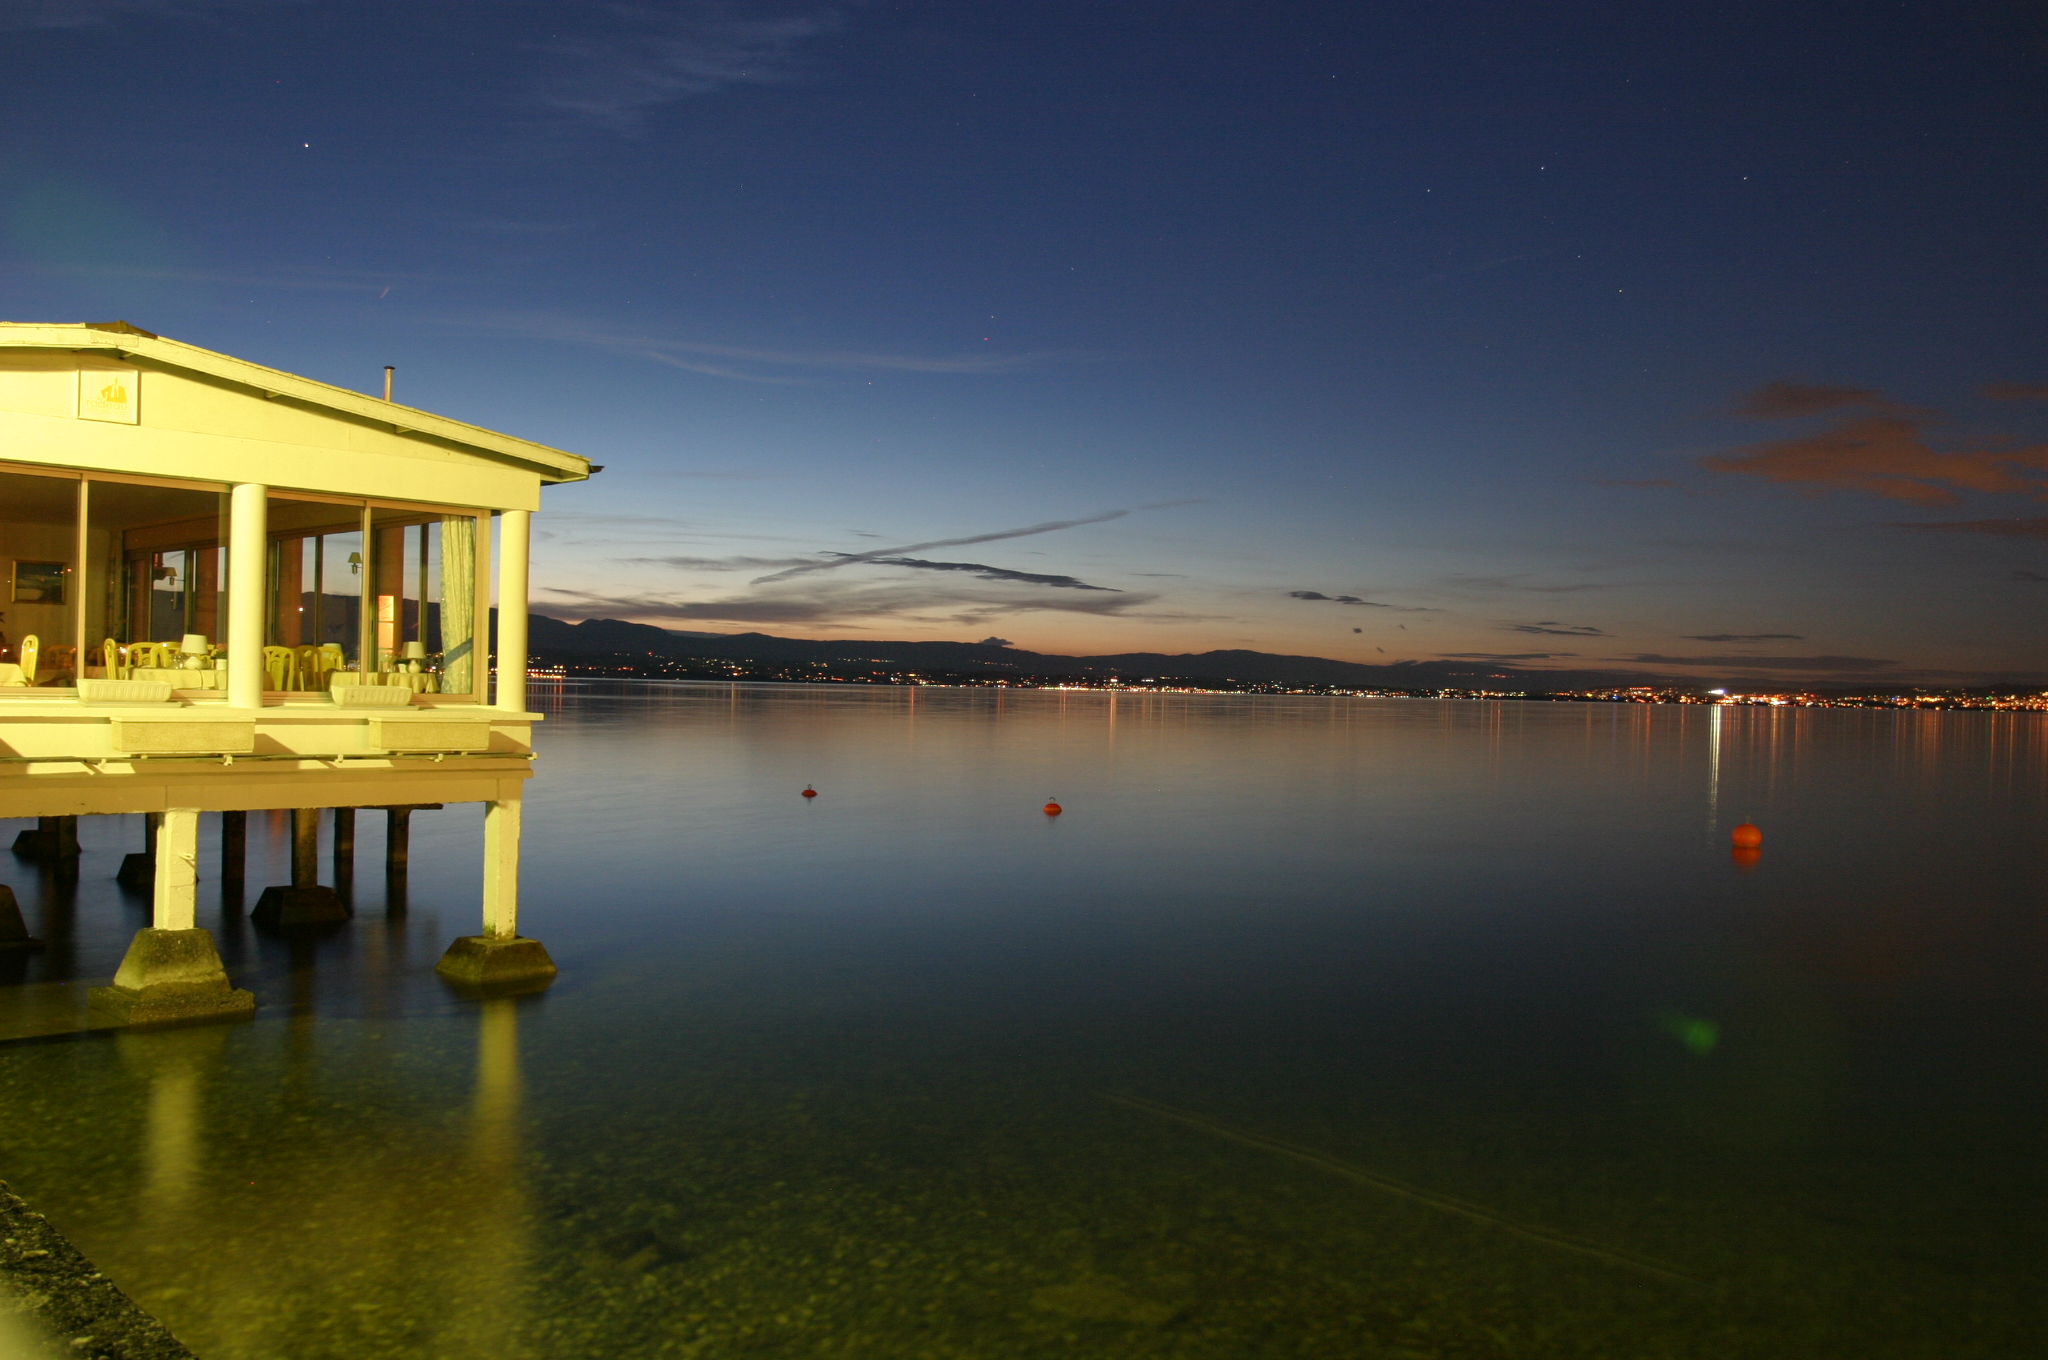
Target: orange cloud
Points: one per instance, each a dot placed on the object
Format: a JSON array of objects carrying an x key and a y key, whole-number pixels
[
  {"x": 2016, "y": 391},
  {"x": 1888, "y": 455}
]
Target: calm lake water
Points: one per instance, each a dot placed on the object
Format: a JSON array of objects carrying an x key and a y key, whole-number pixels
[{"x": 1314, "y": 1027}]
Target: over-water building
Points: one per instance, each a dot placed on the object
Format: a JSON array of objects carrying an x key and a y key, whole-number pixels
[{"x": 225, "y": 589}]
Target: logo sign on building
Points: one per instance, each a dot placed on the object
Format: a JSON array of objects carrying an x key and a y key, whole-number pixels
[{"x": 108, "y": 394}]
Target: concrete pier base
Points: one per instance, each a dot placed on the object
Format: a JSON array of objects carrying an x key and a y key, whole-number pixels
[
  {"x": 488, "y": 963},
  {"x": 54, "y": 838},
  {"x": 13, "y": 930},
  {"x": 172, "y": 977},
  {"x": 313, "y": 905}
]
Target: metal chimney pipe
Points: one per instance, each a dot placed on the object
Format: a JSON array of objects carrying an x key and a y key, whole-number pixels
[{"x": 388, "y": 371}]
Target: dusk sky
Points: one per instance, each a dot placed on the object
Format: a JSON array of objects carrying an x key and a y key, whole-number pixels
[{"x": 1709, "y": 339}]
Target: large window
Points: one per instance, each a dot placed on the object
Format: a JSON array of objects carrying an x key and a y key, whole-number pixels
[
  {"x": 38, "y": 579},
  {"x": 316, "y": 572},
  {"x": 156, "y": 570},
  {"x": 388, "y": 593}
]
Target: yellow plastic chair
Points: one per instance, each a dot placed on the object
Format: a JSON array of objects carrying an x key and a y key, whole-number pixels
[
  {"x": 281, "y": 665},
  {"x": 332, "y": 659},
  {"x": 29, "y": 652},
  {"x": 149, "y": 655},
  {"x": 110, "y": 660}
]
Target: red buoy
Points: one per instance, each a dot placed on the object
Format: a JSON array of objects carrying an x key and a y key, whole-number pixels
[
  {"x": 1746, "y": 837},
  {"x": 810, "y": 792},
  {"x": 1052, "y": 809}
]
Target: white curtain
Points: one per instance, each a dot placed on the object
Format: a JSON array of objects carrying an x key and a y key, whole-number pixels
[{"x": 458, "y": 604}]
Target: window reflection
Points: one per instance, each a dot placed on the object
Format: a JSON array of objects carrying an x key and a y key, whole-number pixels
[{"x": 316, "y": 578}]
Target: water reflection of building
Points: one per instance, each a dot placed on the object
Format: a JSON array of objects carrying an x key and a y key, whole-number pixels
[
  {"x": 317, "y": 1229},
  {"x": 229, "y": 589}
]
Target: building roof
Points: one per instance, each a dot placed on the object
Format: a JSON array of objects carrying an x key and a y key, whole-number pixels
[{"x": 123, "y": 341}]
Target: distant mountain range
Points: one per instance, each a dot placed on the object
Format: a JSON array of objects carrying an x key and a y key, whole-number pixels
[{"x": 613, "y": 637}]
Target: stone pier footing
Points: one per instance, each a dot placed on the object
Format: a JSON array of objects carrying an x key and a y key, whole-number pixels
[
  {"x": 52, "y": 838},
  {"x": 315, "y": 905},
  {"x": 13, "y": 930},
  {"x": 485, "y": 961},
  {"x": 171, "y": 977}
]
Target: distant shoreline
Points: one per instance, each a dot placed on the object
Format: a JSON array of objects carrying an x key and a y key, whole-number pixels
[{"x": 718, "y": 671}]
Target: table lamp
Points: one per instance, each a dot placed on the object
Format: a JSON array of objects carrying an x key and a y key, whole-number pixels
[
  {"x": 193, "y": 649},
  {"x": 415, "y": 654}
]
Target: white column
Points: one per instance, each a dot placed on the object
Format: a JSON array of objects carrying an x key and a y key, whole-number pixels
[
  {"x": 248, "y": 572},
  {"x": 81, "y": 587},
  {"x": 515, "y": 529},
  {"x": 501, "y": 869},
  {"x": 177, "y": 869}
]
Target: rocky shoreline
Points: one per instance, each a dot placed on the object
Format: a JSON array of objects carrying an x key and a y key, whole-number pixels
[{"x": 52, "y": 1300}]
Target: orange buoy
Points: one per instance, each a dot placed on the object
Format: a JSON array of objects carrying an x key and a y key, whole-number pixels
[
  {"x": 810, "y": 792},
  {"x": 1052, "y": 809},
  {"x": 1746, "y": 837}
]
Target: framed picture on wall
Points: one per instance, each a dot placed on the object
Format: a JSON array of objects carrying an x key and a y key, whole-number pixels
[{"x": 39, "y": 582}]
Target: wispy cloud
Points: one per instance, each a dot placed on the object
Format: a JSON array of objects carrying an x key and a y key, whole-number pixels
[
  {"x": 1520, "y": 583},
  {"x": 845, "y": 604},
  {"x": 2000, "y": 528},
  {"x": 1743, "y": 637},
  {"x": 749, "y": 363},
  {"x": 1795, "y": 400},
  {"x": 288, "y": 279},
  {"x": 1505, "y": 656},
  {"x": 2016, "y": 391},
  {"x": 1773, "y": 663},
  {"x": 649, "y": 55},
  {"x": 1355, "y": 600},
  {"x": 31, "y": 14},
  {"x": 839, "y": 560},
  {"x": 685, "y": 563},
  {"x": 1553, "y": 628},
  {"x": 987, "y": 573},
  {"x": 1644, "y": 482}
]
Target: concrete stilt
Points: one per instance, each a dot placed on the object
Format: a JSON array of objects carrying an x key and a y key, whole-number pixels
[
  {"x": 13, "y": 930},
  {"x": 397, "y": 841},
  {"x": 398, "y": 851},
  {"x": 344, "y": 848},
  {"x": 139, "y": 871},
  {"x": 500, "y": 959},
  {"x": 172, "y": 974},
  {"x": 234, "y": 850},
  {"x": 305, "y": 902}
]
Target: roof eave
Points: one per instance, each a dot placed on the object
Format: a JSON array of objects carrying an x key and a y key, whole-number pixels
[{"x": 555, "y": 466}]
